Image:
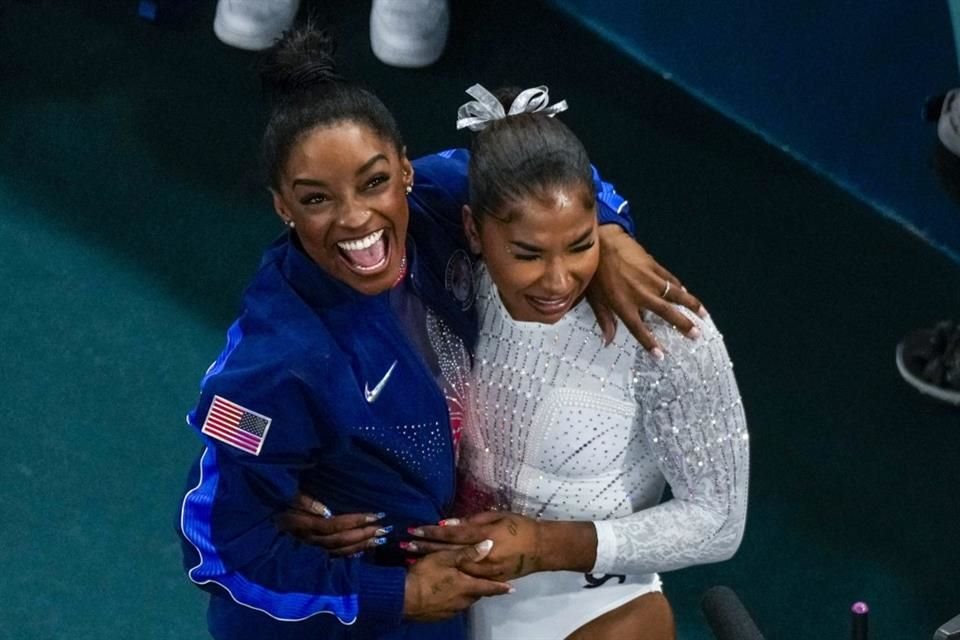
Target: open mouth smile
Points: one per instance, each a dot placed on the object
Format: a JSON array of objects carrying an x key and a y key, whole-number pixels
[{"x": 367, "y": 255}]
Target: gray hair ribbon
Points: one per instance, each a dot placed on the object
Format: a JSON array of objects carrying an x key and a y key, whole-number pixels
[{"x": 477, "y": 114}]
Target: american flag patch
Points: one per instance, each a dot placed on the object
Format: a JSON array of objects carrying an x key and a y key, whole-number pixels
[{"x": 237, "y": 426}]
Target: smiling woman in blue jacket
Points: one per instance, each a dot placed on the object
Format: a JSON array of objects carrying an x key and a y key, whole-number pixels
[{"x": 344, "y": 374}]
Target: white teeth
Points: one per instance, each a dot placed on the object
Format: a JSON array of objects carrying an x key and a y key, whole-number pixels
[{"x": 362, "y": 243}]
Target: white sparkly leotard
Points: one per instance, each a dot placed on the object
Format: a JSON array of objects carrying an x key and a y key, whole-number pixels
[{"x": 560, "y": 427}]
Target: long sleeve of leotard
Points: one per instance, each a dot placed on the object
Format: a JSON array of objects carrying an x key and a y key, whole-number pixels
[{"x": 691, "y": 415}]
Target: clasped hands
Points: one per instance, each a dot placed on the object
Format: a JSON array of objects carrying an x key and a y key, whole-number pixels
[
  {"x": 517, "y": 541},
  {"x": 453, "y": 564}
]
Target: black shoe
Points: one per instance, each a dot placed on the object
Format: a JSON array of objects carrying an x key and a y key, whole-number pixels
[{"x": 929, "y": 360}]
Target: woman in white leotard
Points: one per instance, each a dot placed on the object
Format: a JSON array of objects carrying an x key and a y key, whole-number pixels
[{"x": 571, "y": 441}]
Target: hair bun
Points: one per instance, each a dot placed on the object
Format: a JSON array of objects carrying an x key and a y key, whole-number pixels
[
  {"x": 506, "y": 95},
  {"x": 301, "y": 60}
]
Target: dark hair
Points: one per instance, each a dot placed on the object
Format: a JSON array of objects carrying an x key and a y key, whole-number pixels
[
  {"x": 521, "y": 156},
  {"x": 300, "y": 77}
]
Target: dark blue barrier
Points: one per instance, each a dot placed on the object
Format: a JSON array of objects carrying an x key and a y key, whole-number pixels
[{"x": 838, "y": 85}]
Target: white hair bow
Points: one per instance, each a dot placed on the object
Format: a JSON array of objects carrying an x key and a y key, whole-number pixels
[{"x": 479, "y": 113}]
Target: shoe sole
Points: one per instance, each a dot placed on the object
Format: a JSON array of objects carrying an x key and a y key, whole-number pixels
[
  {"x": 950, "y": 397},
  {"x": 389, "y": 51},
  {"x": 241, "y": 40}
]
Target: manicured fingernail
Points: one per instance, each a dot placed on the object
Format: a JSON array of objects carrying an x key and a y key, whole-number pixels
[
  {"x": 373, "y": 517},
  {"x": 318, "y": 507},
  {"x": 379, "y": 541},
  {"x": 484, "y": 547},
  {"x": 512, "y": 590},
  {"x": 657, "y": 354},
  {"x": 382, "y": 531},
  {"x": 694, "y": 333},
  {"x": 415, "y": 531},
  {"x": 409, "y": 546},
  {"x": 449, "y": 522},
  {"x": 411, "y": 560},
  {"x": 702, "y": 312},
  {"x": 358, "y": 554}
]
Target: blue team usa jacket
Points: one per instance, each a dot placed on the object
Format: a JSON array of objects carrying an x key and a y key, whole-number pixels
[{"x": 293, "y": 402}]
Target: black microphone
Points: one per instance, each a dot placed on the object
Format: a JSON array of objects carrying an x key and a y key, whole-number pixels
[{"x": 727, "y": 617}]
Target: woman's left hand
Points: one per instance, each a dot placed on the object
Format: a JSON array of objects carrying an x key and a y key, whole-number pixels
[
  {"x": 516, "y": 543},
  {"x": 629, "y": 281},
  {"x": 312, "y": 522}
]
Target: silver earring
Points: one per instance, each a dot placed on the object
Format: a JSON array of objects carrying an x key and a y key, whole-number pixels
[
  {"x": 289, "y": 223},
  {"x": 409, "y": 189}
]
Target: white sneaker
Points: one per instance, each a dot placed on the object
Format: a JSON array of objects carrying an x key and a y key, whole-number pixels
[
  {"x": 253, "y": 24},
  {"x": 409, "y": 33}
]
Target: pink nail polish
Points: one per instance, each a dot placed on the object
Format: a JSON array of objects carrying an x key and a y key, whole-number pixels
[
  {"x": 415, "y": 531},
  {"x": 702, "y": 312},
  {"x": 694, "y": 333}
]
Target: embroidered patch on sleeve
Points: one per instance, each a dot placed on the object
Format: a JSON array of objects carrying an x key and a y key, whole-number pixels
[{"x": 235, "y": 425}]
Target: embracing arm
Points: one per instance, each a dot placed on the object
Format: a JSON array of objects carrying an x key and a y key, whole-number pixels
[
  {"x": 235, "y": 521},
  {"x": 629, "y": 280},
  {"x": 227, "y": 519}
]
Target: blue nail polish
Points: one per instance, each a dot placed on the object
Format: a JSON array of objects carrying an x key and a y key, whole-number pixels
[
  {"x": 381, "y": 515},
  {"x": 382, "y": 531},
  {"x": 379, "y": 541}
]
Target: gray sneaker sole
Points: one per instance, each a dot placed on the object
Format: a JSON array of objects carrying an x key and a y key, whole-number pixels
[{"x": 924, "y": 387}]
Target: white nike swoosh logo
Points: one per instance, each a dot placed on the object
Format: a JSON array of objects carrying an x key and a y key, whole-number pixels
[{"x": 371, "y": 395}]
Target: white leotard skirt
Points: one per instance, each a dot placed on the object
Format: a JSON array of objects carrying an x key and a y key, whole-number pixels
[{"x": 552, "y": 605}]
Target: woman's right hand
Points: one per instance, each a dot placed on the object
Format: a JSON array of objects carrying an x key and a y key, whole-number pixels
[
  {"x": 436, "y": 588},
  {"x": 312, "y": 522}
]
